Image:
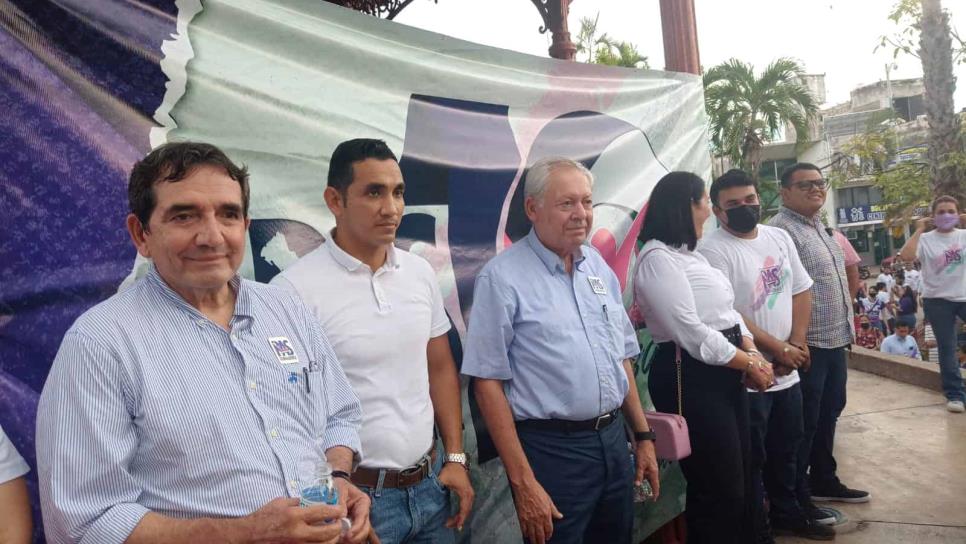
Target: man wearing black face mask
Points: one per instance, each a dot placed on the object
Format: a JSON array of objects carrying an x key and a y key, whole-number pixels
[{"x": 772, "y": 293}]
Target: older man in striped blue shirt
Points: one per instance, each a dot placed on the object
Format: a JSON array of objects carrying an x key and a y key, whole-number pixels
[{"x": 182, "y": 409}]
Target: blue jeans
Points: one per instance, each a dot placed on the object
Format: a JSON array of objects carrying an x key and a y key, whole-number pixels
[
  {"x": 942, "y": 314},
  {"x": 589, "y": 477},
  {"x": 412, "y": 515},
  {"x": 776, "y": 434},
  {"x": 823, "y": 399}
]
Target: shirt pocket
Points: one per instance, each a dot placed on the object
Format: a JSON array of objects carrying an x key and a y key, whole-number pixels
[{"x": 615, "y": 324}]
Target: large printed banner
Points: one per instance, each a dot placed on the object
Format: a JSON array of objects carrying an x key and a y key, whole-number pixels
[{"x": 86, "y": 88}]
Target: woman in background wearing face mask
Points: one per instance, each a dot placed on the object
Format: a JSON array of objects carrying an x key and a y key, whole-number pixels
[
  {"x": 942, "y": 253},
  {"x": 868, "y": 336}
]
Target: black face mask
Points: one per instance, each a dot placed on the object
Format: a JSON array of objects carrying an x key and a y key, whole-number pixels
[
  {"x": 865, "y": 325},
  {"x": 743, "y": 219}
]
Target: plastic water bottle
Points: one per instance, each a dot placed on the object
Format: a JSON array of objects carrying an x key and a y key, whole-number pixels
[
  {"x": 318, "y": 487},
  {"x": 643, "y": 492}
]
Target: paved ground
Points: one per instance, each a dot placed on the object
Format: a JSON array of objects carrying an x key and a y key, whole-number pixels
[{"x": 898, "y": 442}]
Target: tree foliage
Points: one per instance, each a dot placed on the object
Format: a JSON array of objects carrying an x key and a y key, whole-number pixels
[
  {"x": 872, "y": 155},
  {"x": 745, "y": 111},
  {"x": 620, "y": 53},
  {"x": 602, "y": 49},
  {"x": 926, "y": 32},
  {"x": 906, "y": 14}
]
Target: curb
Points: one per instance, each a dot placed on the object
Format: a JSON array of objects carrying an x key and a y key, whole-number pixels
[{"x": 896, "y": 367}]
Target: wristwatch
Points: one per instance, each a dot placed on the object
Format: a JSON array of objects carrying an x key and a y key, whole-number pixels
[
  {"x": 645, "y": 435},
  {"x": 459, "y": 458}
]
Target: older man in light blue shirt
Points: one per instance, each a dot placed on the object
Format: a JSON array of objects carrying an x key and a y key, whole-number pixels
[
  {"x": 183, "y": 409},
  {"x": 549, "y": 344}
]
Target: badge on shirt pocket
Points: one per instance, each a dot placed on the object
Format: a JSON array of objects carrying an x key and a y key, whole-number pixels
[
  {"x": 283, "y": 349},
  {"x": 597, "y": 284}
]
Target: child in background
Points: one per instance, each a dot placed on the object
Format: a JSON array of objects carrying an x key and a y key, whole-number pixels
[
  {"x": 901, "y": 343},
  {"x": 866, "y": 335}
]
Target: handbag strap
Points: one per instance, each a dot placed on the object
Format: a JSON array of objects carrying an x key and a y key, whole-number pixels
[{"x": 677, "y": 363}]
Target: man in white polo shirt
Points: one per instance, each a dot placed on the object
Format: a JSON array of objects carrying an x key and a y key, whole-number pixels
[
  {"x": 16, "y": 526},
  {"x": 772, "y": 293},
  {"x": 382, "y": 311}
]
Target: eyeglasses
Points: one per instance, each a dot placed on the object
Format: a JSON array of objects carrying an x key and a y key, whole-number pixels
[{"x": 807, "y": 185}]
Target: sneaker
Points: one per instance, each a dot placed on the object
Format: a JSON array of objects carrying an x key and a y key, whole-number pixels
[
  {"x": 824, "y": 516},
  {"x": 956, "y": 406},
  {"x": 806, "y": 528},
  {"x": 839, "y": 493}
]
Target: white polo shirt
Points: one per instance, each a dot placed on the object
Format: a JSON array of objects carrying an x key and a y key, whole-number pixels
[
  {"x": 11, "y": 464},
  {"x": 379, "y": 325}
]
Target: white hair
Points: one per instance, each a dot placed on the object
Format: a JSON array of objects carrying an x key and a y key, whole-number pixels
[{"x": 539, "y": 174}]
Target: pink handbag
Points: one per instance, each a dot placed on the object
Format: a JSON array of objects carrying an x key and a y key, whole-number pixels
[{"x": 673, "y": 442}]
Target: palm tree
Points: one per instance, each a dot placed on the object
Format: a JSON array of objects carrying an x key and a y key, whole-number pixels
[
  {"x": 620, "y": 53},
  {"x": 936, "y": 54},
  {"x": 587, "y": 38},
  {"x": 746, "y": 111}
]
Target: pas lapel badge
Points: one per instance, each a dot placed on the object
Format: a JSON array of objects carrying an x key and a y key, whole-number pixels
[
  {"x": 283, "y": 349},
  {"x": 597, "y": 285}
]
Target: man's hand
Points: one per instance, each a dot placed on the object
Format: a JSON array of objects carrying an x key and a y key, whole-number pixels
[
  {"x": 790, "y": 356},
  {"x": 647, "y": 466},
  {"x": 456, "y": 478},
  {"x": 925, "y": 223},
  {"x": 803, "y": 347},
  {"x": 283, "y": 520},
  {"x": 357, "y": 505},
  {"x": 535, "y": 510}
]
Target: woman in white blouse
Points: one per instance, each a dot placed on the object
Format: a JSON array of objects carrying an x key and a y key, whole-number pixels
[
  {"x": 942, "y": 253},
  {"x": 688, "y": 307}
]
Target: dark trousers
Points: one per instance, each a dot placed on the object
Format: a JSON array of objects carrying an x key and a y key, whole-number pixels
[
  {"x": 942, "y": 314},
  {"x": 589, "y": 477},
  {"x": 718, "y": 470},
  {"x": 776, "y": 434},
  {"x": 823, "y": 399}
]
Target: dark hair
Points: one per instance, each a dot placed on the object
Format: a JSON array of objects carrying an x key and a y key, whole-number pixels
[
  {"x": 171, "y": 163},
  {"x": 880, "y": 285},
  {"x": 944, "y": 198},
  {"x": 731, "y": 178},
  {"x": 668, "y": 217},
  {"x": 352, "y": 151},
  {"x": 786, "y": 176},
  {"x": 903, "y": 322}
]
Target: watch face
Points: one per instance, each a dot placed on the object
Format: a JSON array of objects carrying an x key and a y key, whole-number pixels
[{"x": 456, "y": 458}]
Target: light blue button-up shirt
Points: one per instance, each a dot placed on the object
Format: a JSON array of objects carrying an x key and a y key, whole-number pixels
[
  {"x": 558, "y": 341},
  {"x": 149, "y": 406}
]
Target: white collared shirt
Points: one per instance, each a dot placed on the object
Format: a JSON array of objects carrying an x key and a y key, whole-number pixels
[
  {"x": 11, "y": 464},
  {"x": 687, "y": 301},
  {"x": 379, "y": 324}
]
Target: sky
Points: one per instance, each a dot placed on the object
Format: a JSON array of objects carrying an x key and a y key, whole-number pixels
[{"x": 834, "y": 37}]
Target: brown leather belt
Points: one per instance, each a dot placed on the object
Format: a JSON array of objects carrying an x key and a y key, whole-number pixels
[{"x": 393, "y": 479}]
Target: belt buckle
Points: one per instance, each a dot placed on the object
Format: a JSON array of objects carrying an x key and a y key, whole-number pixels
[
  {"x": 411, "y": 470},
  {"x": 601, "y": 419}
]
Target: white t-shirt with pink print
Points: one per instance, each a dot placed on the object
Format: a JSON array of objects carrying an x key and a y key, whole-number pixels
[{"x": 943, "y": 258}]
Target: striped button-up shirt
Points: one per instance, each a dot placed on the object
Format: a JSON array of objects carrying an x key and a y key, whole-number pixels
[
  {"x": 150, "y": 406},
  {"x": 831, "y": 325}
]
